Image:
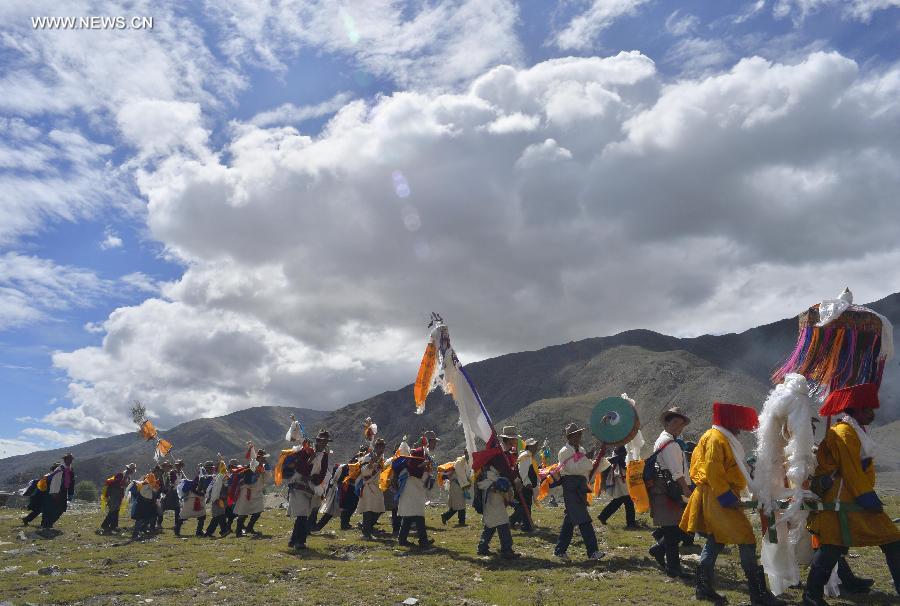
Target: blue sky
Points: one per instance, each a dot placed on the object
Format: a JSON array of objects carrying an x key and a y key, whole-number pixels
[{"x": 224, "y": 182}]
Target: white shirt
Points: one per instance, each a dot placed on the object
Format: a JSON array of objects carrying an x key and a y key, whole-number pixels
[
  {"x": 672, "y": 458},
  {"x": 571, "y": 464},
  {"x": 524, "y": 466}
]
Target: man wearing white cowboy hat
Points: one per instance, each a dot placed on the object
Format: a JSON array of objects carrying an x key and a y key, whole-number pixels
[
  {"x": 527, "y": 472},
  {"x": 574, "y": 469},
  {"x": 666, "y": 511}
]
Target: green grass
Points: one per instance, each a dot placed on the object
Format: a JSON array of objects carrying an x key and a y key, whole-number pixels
[{"x": 341, "y": 568}]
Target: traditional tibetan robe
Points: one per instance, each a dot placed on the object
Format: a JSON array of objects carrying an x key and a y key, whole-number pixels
[
  {"x": 719, "y": 482},
  {"x": 193, "y": 498},
  {"x": 370, "y": 496},
  {"x": 251, "y": 497},
  {"x": 494, "y": 511},
  {"x": 306, "y": 486},
  {"x": 217, "y": 495},
  {"x": 840, "y": 455},
  {"x": 331, "y": 502},
  {"x": 459, "y": 482},
  {"x": 415, "y": 491}
]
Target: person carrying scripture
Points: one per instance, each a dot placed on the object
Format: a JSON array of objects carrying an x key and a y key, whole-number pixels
[
  {"x": 36, "y": 492},
  {"x": 143, "y": 504},
  {"x": 192, "y": 494},
  {"x": 498, "y": 495},
  {"x": 527, "y": 469},
  {"x": 113, "y": 497},
  {"x": 852, "y": 515},
  {"x": 249, "y": 490},
  {"x": 60, "y": 490},
  {"x": 666, "y": 510},
  {"x": 349, "y": 498},
  {"x": 719, "y": 471},
  {"x": 216, "y": 498},
  {"x": 169, "y": 477},
  {"x": 414, "y": 479},
  {"x": 233, "y": 465},
  {"x": 459, "y": 481},
  {"x": 574, "y": 470},
  {"x": 305, "y": 470},
  {"x": 614, "y": 485},
  {"x": 371, "y": 499}
]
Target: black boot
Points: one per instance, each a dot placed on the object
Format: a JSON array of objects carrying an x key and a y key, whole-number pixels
[
  {"x": 759, "y": 593},
  {"x": 658, "y": 552},
  {"x": 178, "y": 523},
  {"x": 705, "y": 589},
  {"x": 673, "y": 562},
  {"x": 200, "y": 522},
  {"x": 814, "y": 593},
  {"x": 239, "y": 532},
  {"x": 446, "y": 516},
  {"x": 849, "y": 581}
]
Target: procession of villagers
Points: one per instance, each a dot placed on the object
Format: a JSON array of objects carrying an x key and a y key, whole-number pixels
[{"x": 693, "y": 490}]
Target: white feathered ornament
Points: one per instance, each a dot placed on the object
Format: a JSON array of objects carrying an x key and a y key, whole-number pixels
[{"x": 784, "y": 461}]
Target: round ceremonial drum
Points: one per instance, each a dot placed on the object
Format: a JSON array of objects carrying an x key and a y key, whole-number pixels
[{"x": 614, "y": 421}]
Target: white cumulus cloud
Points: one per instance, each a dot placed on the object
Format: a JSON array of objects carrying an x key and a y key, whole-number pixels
[{"x": 628, "y": 202}]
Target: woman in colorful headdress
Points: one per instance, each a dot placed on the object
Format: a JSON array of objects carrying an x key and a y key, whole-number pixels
[
  {"x": 852, "y": 515},
  {"x": 719, "y": 471}
]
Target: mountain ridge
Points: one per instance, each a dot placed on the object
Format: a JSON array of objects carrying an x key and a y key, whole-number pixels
[{"x": 539, "y": 390}]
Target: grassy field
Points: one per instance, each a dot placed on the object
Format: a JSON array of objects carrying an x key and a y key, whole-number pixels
[{"x": 341, "y": 568}]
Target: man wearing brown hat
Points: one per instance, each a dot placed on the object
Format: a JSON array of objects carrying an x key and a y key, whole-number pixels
[
  {"x": 574, "y": 469},
  {"x": 668, "y": 458},
  {"x": 528, "y": 475}
]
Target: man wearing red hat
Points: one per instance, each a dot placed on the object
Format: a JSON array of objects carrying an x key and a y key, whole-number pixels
[
  {"x": 720, "y": 473},
  {"x": 853, "y": 515}
]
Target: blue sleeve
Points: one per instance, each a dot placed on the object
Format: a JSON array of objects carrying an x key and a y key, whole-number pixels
[
  {"x": 868, "y": 500},
  {"x": 727, "y": 498}
]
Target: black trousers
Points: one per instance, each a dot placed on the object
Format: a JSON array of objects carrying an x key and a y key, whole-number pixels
[
  {"x": 111, "y": 521},
  {"x": 827, "y": 556},
  {"x": 217, "y": 522},
  {"x": 369, "y": 518},
  {"x": 406, "y": 524},
  {"x": 300, "y": 532},
  {"x": 241, "y": 520},
  {"x": 519, "y": 513},
  {"x": 459, "y": 513},
  {"x": 395, "y": 523},
  {"x": 565, "y": 536},
  {"x": 669, "y": 538},
  {"x": 614, "y": 505},
  {"x": 142, "y": 525},
  {"x": 52, "y": 509},
  {"x": 487, "y": 534},
  {"x": 348, "y": 507},
  {"x": 31, "y": 515}
]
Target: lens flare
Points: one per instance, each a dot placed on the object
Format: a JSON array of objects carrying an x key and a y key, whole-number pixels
[
  {"x": 401, "y": 185},
  {"x": 350, "y": 27},
  {"x": 411, "y": 218}
]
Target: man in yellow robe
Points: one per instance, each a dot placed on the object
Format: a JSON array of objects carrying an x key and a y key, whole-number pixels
[
  {"x": 720, "y": 473},
  {"x": 845, "y": 474}
]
